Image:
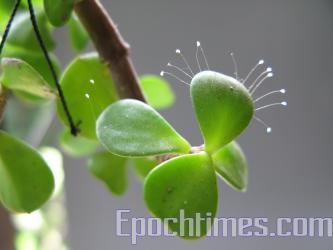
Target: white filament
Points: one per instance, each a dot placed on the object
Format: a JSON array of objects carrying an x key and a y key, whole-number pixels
[
  {"x": 260, "y": 82},
  {"x": 163, "y": 73},
  {"x": 185, "y": 61},
  {"x": 271, "y": 105},
  {"x": 267, "y": 71},
  {"x": 203, "y": 55},
  {"x": 235, "y": 65},
  {"x": 268, "y": 128},
  {"x": 252, "y": 70},
  {"x": 179, "y": 69},
  {"x": 283, "y": 91}
]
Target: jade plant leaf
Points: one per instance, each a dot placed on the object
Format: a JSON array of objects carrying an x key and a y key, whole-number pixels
[
  {"x": 19, "y": 75},
  {"x": 230, "y": 164},
  {"x": 132, "y": 128},
  {"x": 223, "y": 108},
  {"x": 183, "y": 185},
  {"x": 22, "y": 33},
  {"x": 143, "y": 166},
  {"x": 77, "y": 145},
  {"x": 58, "y": 11},
  {"x": 88, "y": 89},
  {"x": 26, "y": 182},
  {"x": 35, "y": 58},
  {"x": 111, "y": 169},
  {"x": 78, "y": 35},
  {"x": 157, "y": 91}
]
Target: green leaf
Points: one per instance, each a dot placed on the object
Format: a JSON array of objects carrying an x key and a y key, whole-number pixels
[
  {"x": 77, "y": 145},
  {"x": 230, "y": 164},
  {"x": 223, "y": 107},
  {"x": 143, "y": 166},
  {"x": 133, "y": 128},
  {"x": 58, "y": 11},
  {"x": 22, "y": 33},
  {"x": 35, "y": 58},
  {"x": 157, "y": 91},
  {"x": 110, "y": 169},
  {"x": 19, "y": 75},
  {"x": 186, "y": 183},
  {"x": 78, "y": 36},
  {"x": 26, "y": 182},
  {"x": 86, "y": 76}
]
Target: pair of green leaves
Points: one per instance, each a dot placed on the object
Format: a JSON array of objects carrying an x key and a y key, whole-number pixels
[
  {"x": 223, "y": 108},
  {"x": 88, "y": 88}
]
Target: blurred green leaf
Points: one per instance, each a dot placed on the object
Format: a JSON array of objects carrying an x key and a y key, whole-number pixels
[
  {"x": 22, "y": 33},
  {"x": 77, "y": 146},
  {"x": 110, "y": 169},
  {"x": 26, "y": 182},
  {"x": 185, "y": 183},
  {"x": 143, "y": 166},
  {"x": 223, "y": 107},
  {"x": 86, "y": 77},
  {"x": 35, "y": 58},
  {"x": 133, "y": 128},
  {"x": 78, "y": 35},
  {"x": 157, "y": 91},
  {"x": 230, "y": 164},
  {"x": 18, "y": 75},
  {"x": 58, "y": 11}
]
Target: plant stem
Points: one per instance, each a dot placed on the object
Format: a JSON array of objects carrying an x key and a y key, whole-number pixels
[
  {"x": 7, "y": 235},
  {"x": 112, "y": 48},
  {"x": 3, "y": 100}
]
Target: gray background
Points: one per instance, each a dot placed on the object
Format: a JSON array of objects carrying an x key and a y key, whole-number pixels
[{"x": 290, "y": 170}]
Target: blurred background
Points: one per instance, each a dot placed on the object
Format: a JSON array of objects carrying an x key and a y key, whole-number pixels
[{"x": 290, "y": 170}]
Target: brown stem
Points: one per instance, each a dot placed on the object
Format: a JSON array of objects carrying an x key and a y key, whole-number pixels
[
  {"x": 112, "y": 48},
  {"x": 3, "y": 100},
  {"x": 7, "y": 231}
]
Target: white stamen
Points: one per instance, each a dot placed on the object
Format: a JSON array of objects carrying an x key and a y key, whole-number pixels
[
  {"x": 260, "y": 82},
  {"x": 203, "y": 55},
  {"x": 185, "y": 61},
  {"x": 272, "y": 104},
  {"x": 92, "y": 81},
  {"x": 268, "y": 128},
  {"x": 163, "y": 73},
  {"x": 178, "y": 68},
  {"x": 270, "y": 93},
  {"x": 252, "y": 70},
  {"x": 267, "y": 71},
  {"x": 235, "y": 65},
  {"x": 87, "y": 96}
]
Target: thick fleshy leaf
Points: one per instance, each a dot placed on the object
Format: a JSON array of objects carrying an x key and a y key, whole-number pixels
[
  {"x": 78, "y": 35},
  {"x": 157, "y": 91},
  {"x": 143, "y": 166},
  {"x": 77, "y": 145},
  {"x": 110, "y": 169},
  {"x": 22, "y": 33},
  {"x": 19, "y": 75},
  {"x": 133, "y": 128},
  {"x": 223, "y": 107},
  {"x": 88, "y": 89},
  {"x": 230, "y": 164},
  {"x": 26, "y": 182},
  {"x": 58, "y": 11},
  {"x": 35, "y": 58},
  {"x": 183, "y": 185}
]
